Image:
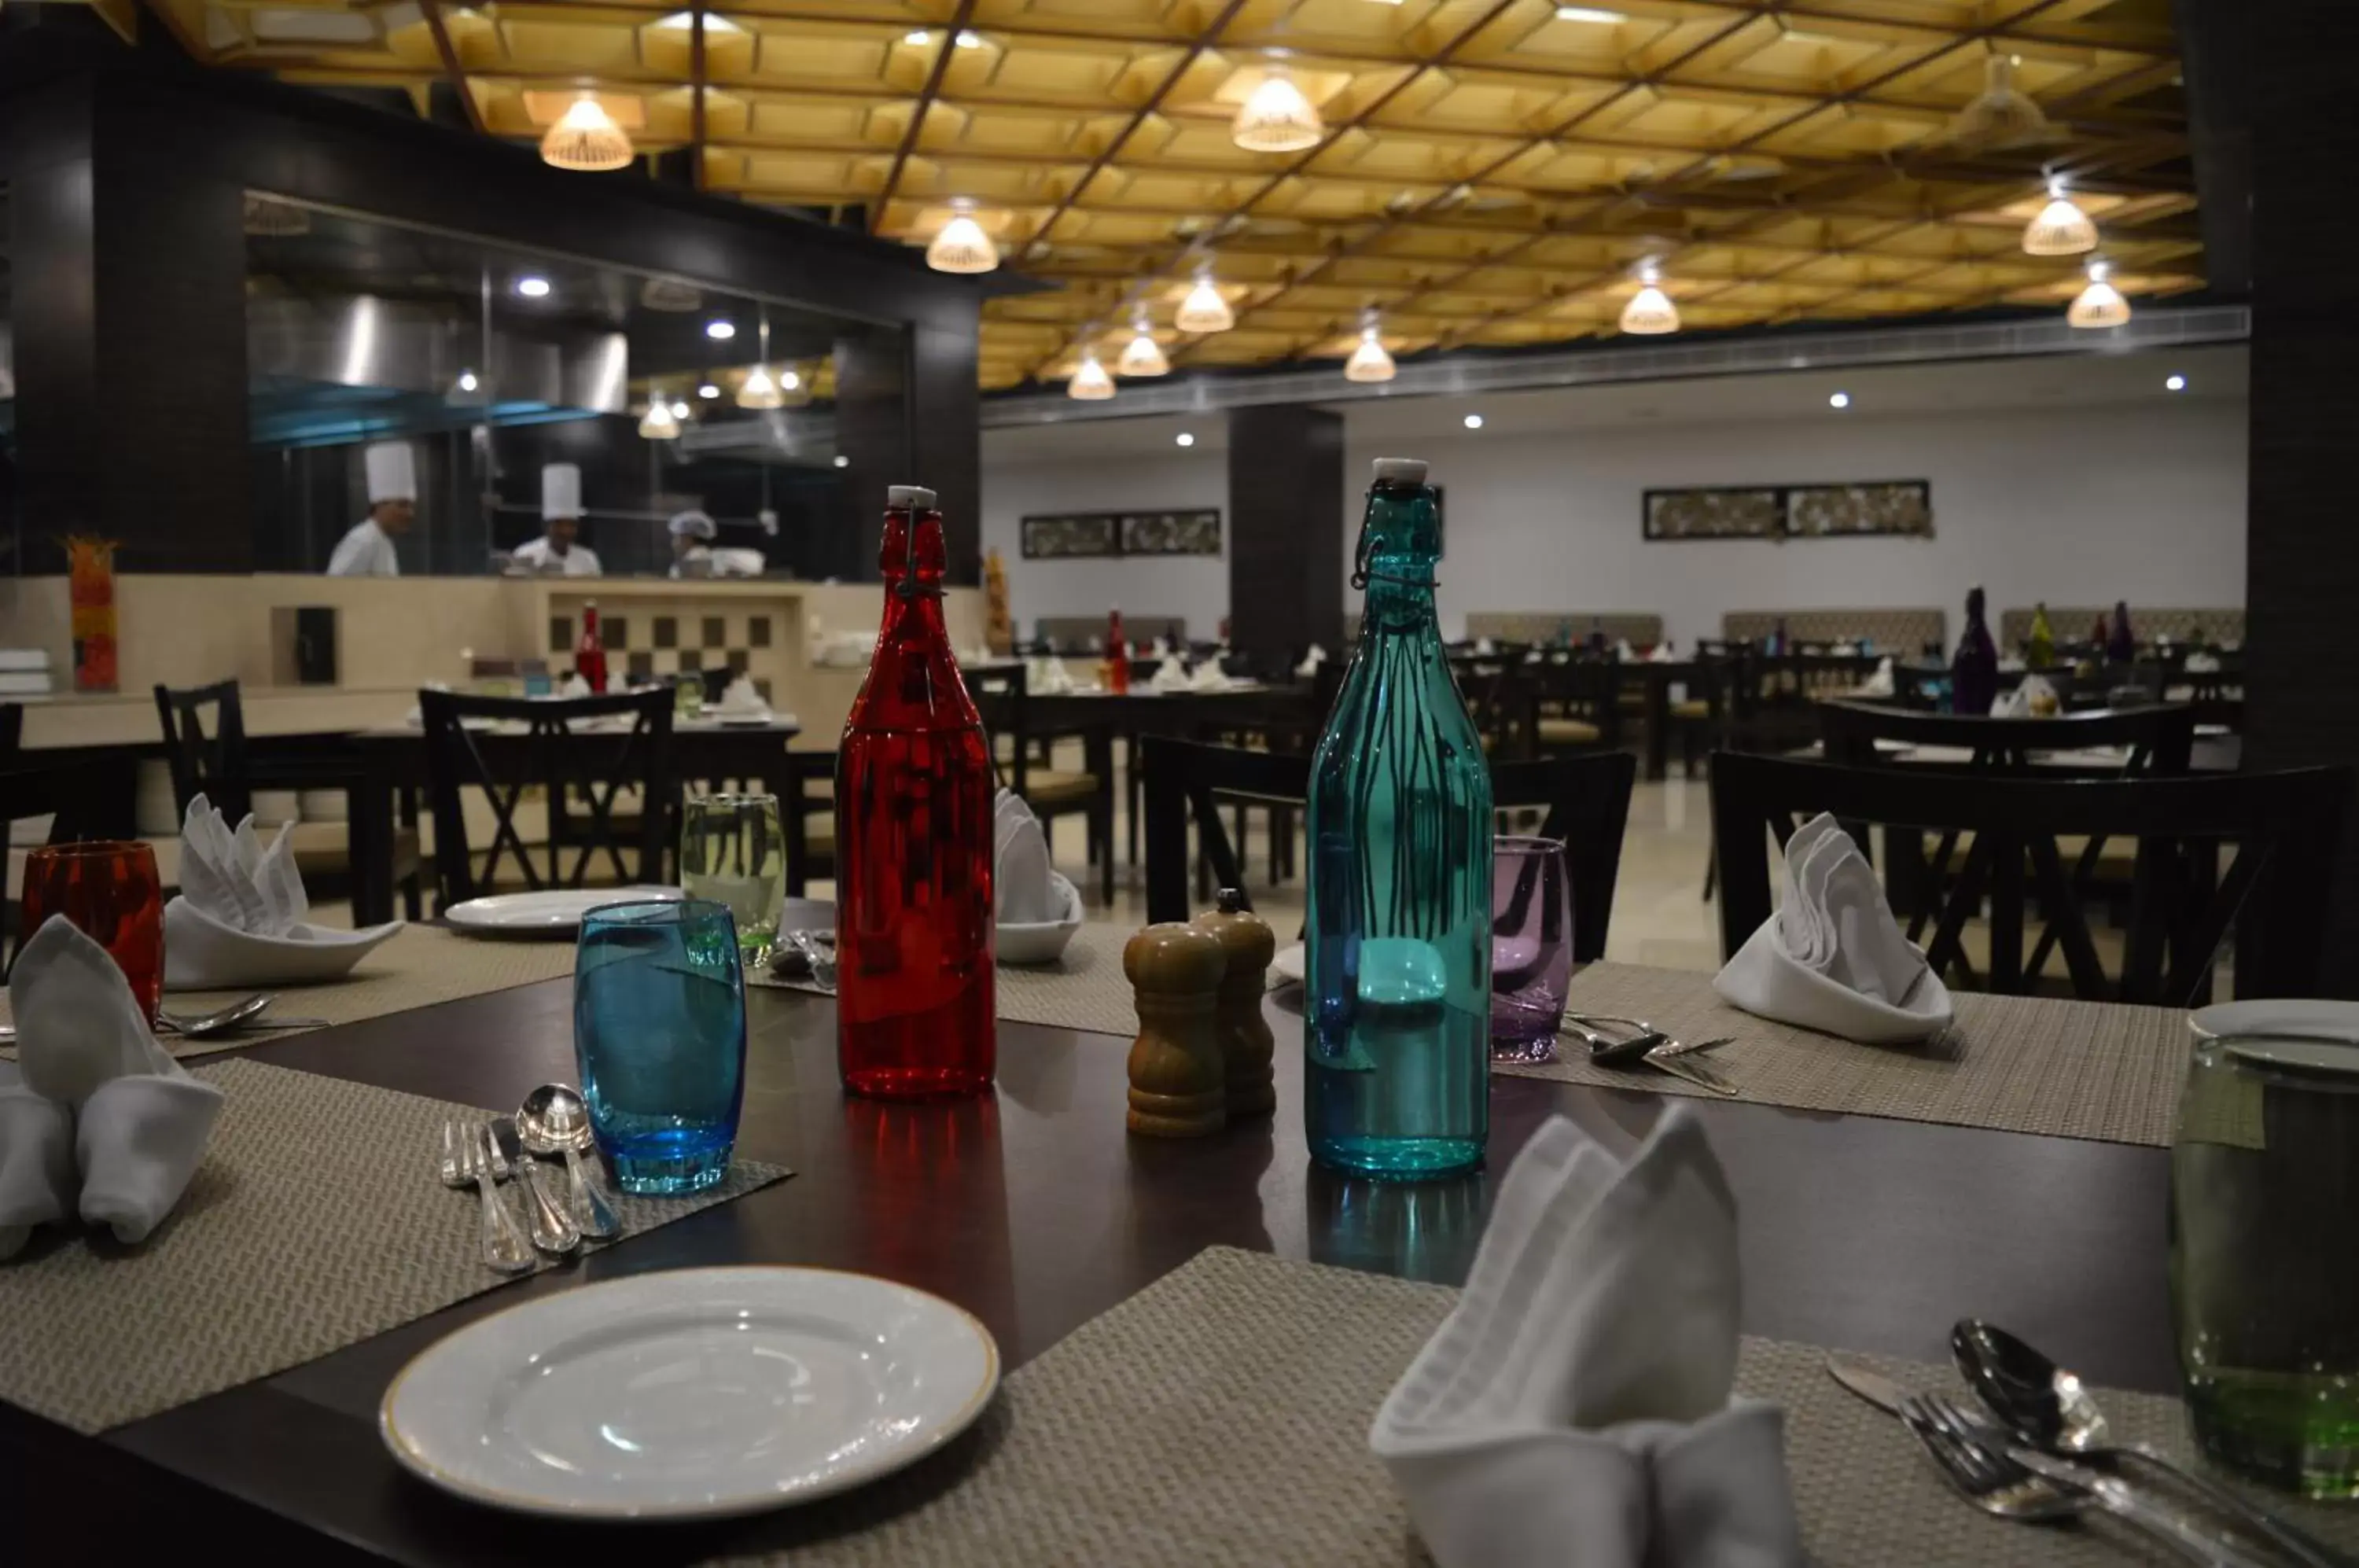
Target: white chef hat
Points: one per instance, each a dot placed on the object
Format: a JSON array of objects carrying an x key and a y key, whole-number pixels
[
  {"x": 693, "y": 524},
  {"x": 392, "y": 471},
  {"x": 560, "y": 491}
]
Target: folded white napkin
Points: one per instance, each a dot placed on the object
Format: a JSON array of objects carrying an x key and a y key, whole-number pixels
[
  {"x": 575, "y": 685},
  {"x": 95, "y": 1118},
  {"x": 1661, "y": 653},
  {"x": 1576, "y": 1406},
  {"x": 1485, "y": 648},
  {"x": 230, "y": 876},
  {"x": 1846, "y": 648},
  {"x": 1209, "y": 677},
  {"x": 1170, "y": 675},
  {"x": 1049, "y": 675},
  {"x": 1311, "y": 661},
  {"x": 741, "y": 697},
  {"x": 1022, "y": 892},
  {"x": 2202, "y": 664},
  {"x": 1883, "y": 682},
  {"x": 1831, "y": 957},
  {"x": 1622, "y": 652}
]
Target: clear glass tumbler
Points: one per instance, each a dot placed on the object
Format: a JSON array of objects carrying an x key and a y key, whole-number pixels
[
  {"x": 732, "y": 851},
  {"x": 1531, "y": 947},
  {"x": 2264, "y": 1269},
  {"x": 659, "y": 1038}
]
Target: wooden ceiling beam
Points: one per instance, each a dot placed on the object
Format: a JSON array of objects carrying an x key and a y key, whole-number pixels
[
  {"x": 447, "y": 53},
  {"x": 933, "y": 87}
]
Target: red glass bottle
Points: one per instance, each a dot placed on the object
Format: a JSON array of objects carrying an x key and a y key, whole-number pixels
[
  {"x": 589, "y": 653},
  {"x": 913, "y": 811},
  {"x": 1118, "y": 653}
]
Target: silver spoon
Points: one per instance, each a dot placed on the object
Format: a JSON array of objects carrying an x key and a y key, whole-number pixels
[
  {"x": 2050, "y": 1408},
  {"x": 219, "y": 1022},
  {"x": 553, "y": 1120}
]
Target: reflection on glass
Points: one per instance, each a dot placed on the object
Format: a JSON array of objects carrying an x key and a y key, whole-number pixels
[
  {"x": 490, "y": 369},
  {"x": 1425, "y": 1230}
]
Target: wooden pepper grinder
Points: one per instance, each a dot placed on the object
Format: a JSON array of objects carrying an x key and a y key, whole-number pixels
[
  {"x": 1245, "y": 1042},
  {"x": 1177, "y": 1087}
]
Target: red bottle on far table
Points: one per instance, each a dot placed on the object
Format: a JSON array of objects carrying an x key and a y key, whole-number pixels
[
  {"x": 589, "y": 653},
  {"x": 914, "y": 996},
  {"x": 1118, "y": 653}
]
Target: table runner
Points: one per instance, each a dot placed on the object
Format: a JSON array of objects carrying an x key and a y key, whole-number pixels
[
  {"x": 2015, "y": 1063},
  {"x": 418, "y": 966},
  {"x": 316, "y": 1221},
  {"x": 1218, "y": 1419}
]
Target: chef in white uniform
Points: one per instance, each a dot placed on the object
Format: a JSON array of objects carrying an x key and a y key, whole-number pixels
[
  {"x": 556, "y": 552},
  {"x": 691, "y": 544},
  {"x": 367, "y": 550}
]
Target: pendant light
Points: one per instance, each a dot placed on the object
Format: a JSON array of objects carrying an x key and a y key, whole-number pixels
[
  {"x": 2100, "y": 304},
  {"x": 659, "y": 423},
  {"x": 586, "y": 139},
  {"x": 1205, "y": 310},
  {"x": 1091, "y": 383},
  {"x": 1369, "y": 362},
  {"x": 1143, "y": 356},
  {"x": 962, "y": 246},
  {"x": 1650, "y": 310},
  {"x": 1277, "y": 117},
  {"x": 2061, "y": 228},
  {"x": 759, "y": 391}
]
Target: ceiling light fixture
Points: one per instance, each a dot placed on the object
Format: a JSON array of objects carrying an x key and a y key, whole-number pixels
[
  {"x": 918, "y": 39},
  {"x": 965, "y": 39},
  {"x": 962, "y": 245},
  {"x": 1143, "y": 356},
  {"x": 1205, "y": 310},
  {"x": 1183, "y": 439},
  {"x": 1369, "y": 362},
  {"x": 1839, "y": 400},
  {"x": 1277, "y": 117},
  {"x": 659, "y": 423},
  {"x": 790, "y": 380},
  {"x": 758, "y": 390},
  {"x": 468, "y": 381},
  {"x": 1590, "y": 14},
  {"x": 586, "y": 139},
  {"x": 842, "y": 461},
  {"x": 532, "y": 286},
  {"x": 708, "y": 390},
  {"x": 2061, "y": 228},
  {"x": 2100, "y": 304},
  {"x": 2174, "y": 382},
  {"x": 720, "y": 331},
  {"x": 1473, "y": 421},
  {"x": 1091, "y": 383},
  {"x": 680, "y": 411},
  {"x": 1649, "y": 311}
]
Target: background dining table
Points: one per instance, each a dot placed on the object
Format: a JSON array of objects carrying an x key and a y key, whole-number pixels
[{"x": 1034, "y": 1209}]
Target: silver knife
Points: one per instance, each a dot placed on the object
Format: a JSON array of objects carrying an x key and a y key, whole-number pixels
[{"x": 1664, "y": 1060}]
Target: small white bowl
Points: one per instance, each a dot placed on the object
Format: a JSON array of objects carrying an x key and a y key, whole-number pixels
[
  {"x": 203, "y": 954},
  {"x": 1043, "y": 943}
]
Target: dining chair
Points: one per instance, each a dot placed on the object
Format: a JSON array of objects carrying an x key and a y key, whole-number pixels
[
  {"x": 364, "y": 857},
  {"x": 1577, "y": 703},
  {"x": 567, "y": 762},
  {"x": 1585, "y": 802},
  {"x": 12, "y": 733},
  {"x": 71, "y": 797},
  {"x": 2274, "y": 896},
  {"x": 806, "y": 817},
  {"x": 1002, "y": 695}
]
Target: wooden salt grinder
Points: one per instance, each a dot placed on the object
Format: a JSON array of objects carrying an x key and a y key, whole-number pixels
[
  {"x": 1245, "y": 1042},
  {"x": 1177, "y": 1089}
]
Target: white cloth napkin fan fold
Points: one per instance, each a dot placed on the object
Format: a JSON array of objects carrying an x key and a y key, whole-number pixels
[
  {"x": 1023, "y": 887},
  {"x": 1576, "y": 1406},
  {"x": 97, "y": 1119},
  {"x": 232, "y": 878},
  {"x": 1831, "y": 957}
]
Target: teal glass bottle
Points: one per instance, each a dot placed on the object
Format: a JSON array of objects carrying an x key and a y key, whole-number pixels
[{"x": 1397, "y": 1006}]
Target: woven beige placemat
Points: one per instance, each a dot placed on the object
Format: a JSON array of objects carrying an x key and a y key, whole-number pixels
[
  {"x": 417, "y": 967},
  {"x": 2015, "y": 1063},
  {"x": 1218, "y": 1419},
  {"x": 316, "y": 1221}
]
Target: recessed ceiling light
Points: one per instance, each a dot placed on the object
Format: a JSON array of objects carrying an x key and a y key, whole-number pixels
[
  {"x": 2174, "y": 382},
  {"x": 919, "y": 38},
  {"x": 968, "y": 40},
  {"x": 1839, "y": 400},
  {"x": 842, "y": 461},
  {"x": 467, "y": 381},
  {"x": 720, "y": 331},
  {"x": 1589, "y": 13},
  {"x": 1183, "y": 439},
  {"x": 708, "y": 390},
  {"x": 532, "y": 286},
  {"x": 1473, "y": 421},
  {"x": 680, "y": 411}
]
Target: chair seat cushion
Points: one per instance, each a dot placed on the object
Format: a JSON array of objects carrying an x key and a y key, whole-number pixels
[
  {"x": 1569, "y": 731},
  {"x": 1058, "y": 787},
  {"x": 1691, "y": 708}
]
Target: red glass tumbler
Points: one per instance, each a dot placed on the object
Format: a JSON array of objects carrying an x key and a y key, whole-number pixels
[{"x": 109, "y": 890}]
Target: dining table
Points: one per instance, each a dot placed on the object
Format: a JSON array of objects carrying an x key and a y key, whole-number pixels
[{"x": 1869, "y": 1217}]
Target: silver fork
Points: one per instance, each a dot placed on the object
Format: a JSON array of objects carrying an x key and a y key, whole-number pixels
[
  {"x": 1983, "y": 1467},
  {"x": 468, "y": 1155}
]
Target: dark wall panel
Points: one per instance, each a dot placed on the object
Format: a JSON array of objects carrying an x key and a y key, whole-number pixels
[{"x": 1285, "y": 532}]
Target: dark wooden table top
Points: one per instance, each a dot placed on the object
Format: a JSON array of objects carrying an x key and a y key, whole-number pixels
[{"x": 1036, "y": 1210}]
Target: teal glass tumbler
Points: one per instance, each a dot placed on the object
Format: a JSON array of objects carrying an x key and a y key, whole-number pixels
[{"x": 659, "y": 1038}]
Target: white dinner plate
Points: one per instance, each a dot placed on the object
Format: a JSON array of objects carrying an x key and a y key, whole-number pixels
[
  {"x": 2315, "y": 1036},
  {"x": 1290, "y": 963},
  {"x": 693, "y": 1393},
  {"x": 551, "y": 912}
]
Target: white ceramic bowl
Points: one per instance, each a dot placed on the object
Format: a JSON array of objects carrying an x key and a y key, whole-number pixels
[
  {"x": 203, "y": 954},
  {"x": 1044, "y": 942}
]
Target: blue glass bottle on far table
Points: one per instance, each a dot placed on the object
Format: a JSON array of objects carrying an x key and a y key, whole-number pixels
[{"x": 1396, "y": 1021}]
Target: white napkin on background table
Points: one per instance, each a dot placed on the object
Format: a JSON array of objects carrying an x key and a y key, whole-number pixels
[
  {"x": 1048, "y": 676},
  {"x": 1576, "y": 1406},
  {"x": 1021, "y": 888},
  {"x": 741, "y": 698},
  {"x": 1170, "y": 676},
  {"x": 97, "y": 1119},
  {"x": 1622, "y": 652},
  {"x": 1209, "y": 677},
  {"x": 2200, "y": 663},
  {"x": 1883, "y": 682},
  {"x": 575, "y": 685},
  {"x": 1310, "y": 662},
  {"x": 1661, "y": 653},
  {"x": 1831, "y": 957}
]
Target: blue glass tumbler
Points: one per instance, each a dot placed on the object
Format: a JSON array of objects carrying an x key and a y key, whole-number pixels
[{"x": 659, "y": 1036}]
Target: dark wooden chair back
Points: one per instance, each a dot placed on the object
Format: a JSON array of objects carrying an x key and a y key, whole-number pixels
[
  {"x": 809, "y": 853},
  {"x": 12, "y": 733},
  {"x": 2156, "y": 739},
  {"x": 1585, "y": 802},
  {"x": 216, "y": 765},
  {"x": 1002, "y": 694},
  {"x": 72, "y": 796},
  {"x": 539, "y": 745},
  {"x": 2275, "y": 894}
]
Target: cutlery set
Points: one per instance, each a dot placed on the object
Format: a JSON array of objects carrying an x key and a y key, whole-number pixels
[
  {"x": 552, "y": 1121},
  {"x": 1641, "y": 1044},
  {"x": 2039, "y": 1453}
]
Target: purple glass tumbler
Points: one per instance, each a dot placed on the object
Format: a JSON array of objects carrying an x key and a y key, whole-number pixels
[{"x": 1531, "y": 947}]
